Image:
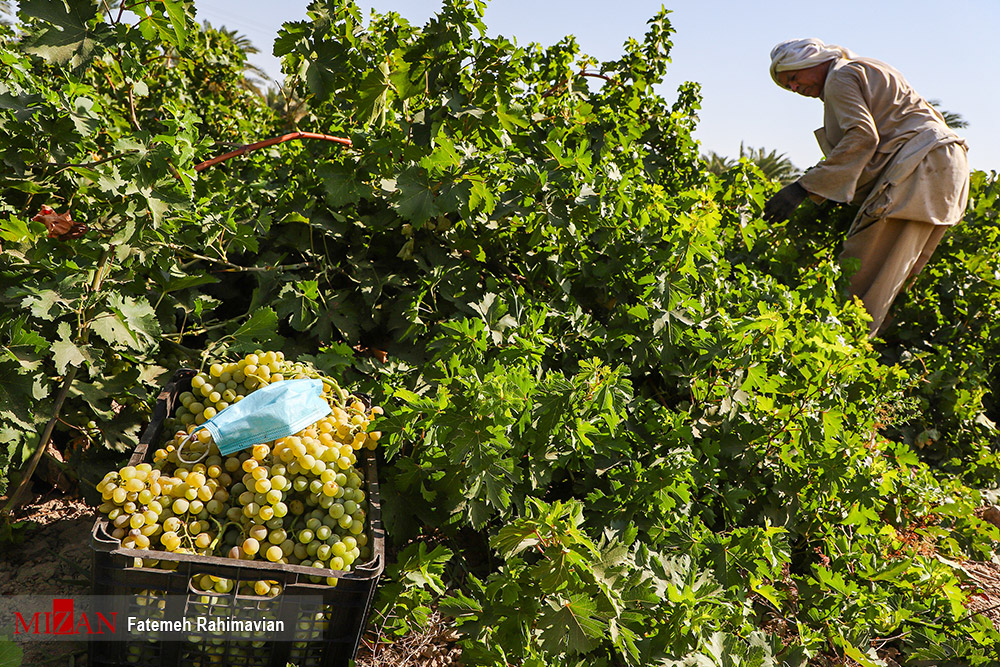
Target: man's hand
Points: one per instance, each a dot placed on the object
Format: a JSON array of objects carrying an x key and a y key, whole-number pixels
[{"x": 780, "y": 206}]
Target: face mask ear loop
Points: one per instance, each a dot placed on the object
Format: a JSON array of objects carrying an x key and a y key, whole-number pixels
[{"x": 180, "y": 448}]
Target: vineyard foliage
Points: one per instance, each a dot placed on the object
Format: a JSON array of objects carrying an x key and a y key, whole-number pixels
[{"x": 627, "y": 422}]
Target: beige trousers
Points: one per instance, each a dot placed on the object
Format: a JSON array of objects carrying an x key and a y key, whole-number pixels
[{"x": 891, "y": 251}]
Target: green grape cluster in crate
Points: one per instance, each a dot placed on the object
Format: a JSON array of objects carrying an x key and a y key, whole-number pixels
[{"x": 297, "y": 500}]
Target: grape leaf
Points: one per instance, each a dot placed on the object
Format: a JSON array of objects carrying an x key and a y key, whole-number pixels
[
  {"x": 96, "y": 398},
  {"x": 516, "y": 537},
  {"x": 111, "y": 181},
  {"x": 157, "y": 207},
  {"x": 444, "y": 157},
  {"x": 424, "y": 568},
  {"x": 459, "y": 605},
  {"x": 23, "y": 346},
  {"x": 83, "y": 116},
  {"x": 68, "y": 38},
  {"x": 415, "y": 201},
  {"x": 14, "y": 229},
  {"x": 340, "y": 184},
  {"x": 11, "y": 654},
  {"x": 20, "y": 336},
  {"x": 173, "y": 283},
  {"x": 127, "y": 323},
  {"x": 289, "y": 36},
  {"x": 865, "y": 659},
  {"x": 19, "y": 396},
  {"x": 24, "y": 106},
  {"x": 373, "y": 94},
  {"x": 138, "y": 315},
  {"x": 175, "y": 10},
  {"x": 258, "y": 331},
  {"x": 65, "y": 352},
  {"x": 122, "y": 433},
  {"x": 42, "y": 302},
  {"x": 571, "y": 626},
  {"x": 481, "y": 197},
  {"x": 110, "y": 327}
]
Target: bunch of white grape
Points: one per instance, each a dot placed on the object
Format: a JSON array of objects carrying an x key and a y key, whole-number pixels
[
  {"x": 297, "y": 500},
  {"x": 223, "y": 384}
]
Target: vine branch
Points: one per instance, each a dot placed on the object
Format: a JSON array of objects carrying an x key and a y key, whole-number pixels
[
  {"x": 270, "y": 142},
  {"x": 43, "y": 442},
  {"x": 230, "y": 266},
  {"x": 562, "y": 84},
  {"x": 72, "y": 165}
]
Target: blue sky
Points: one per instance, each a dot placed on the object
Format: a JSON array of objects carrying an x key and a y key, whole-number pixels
[{"x": 945, "y": 50}]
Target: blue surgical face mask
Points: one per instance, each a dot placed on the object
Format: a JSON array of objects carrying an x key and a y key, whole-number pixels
[{"x": 272, "y": 412}]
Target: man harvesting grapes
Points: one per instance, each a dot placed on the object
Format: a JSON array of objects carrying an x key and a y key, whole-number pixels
[{"x": 888, "y": 151}]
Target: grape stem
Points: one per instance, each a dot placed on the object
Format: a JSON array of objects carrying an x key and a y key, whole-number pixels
[
  {"x": 263, "y": 380},
  {"x": 230, "y": 267},
  {"x": 336, "y": 389},
  {"x": 221, "y": 531}
]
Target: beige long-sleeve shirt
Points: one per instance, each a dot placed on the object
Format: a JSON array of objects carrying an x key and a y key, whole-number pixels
[{"x": 881, "y": 142}]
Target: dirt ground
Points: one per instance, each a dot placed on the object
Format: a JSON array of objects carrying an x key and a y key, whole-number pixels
[
  {"x": 435, "y": 647},
  {"x": 55, "y": 557}
]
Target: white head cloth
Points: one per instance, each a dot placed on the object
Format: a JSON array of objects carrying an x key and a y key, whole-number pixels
[{"x": 802, "y": 53}]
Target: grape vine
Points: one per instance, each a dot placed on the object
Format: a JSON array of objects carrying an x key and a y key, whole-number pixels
[{"x": 626, "y": 421}]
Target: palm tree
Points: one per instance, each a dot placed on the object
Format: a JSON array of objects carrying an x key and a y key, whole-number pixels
[
  {"x": 6, "y": 13},
  {"x": 774, "y": 165},
  {"x": 253, "y": 76},
  {"x": 952, "y": 119},
  {"x": 717, "y": 164}
]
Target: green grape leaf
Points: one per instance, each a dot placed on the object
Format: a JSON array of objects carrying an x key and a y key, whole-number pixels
[
  {"x": 128, "y": 323},
  {"x": 178, "y": 20},
  {"x": 258, "y": 331},
  {"x": 571, "y": 626},
  {"x": 460, "y": 605},
  {"x": 122, "y": 433},
  {"x": 15, "y": 229},
  {"x": 67, "y": 39},
  {"x": 516, "y": 537},
  {"x": 139, "y": 316},
  {"x": 340, "y": 183},
  {"x": 109, "y": 326},
  {"x": 481, "y": 197},
  {"x": 424, "y": 568},
  {"x": 19, "y": 396},
  {"x": 157, "y": 207},
  {"x": 84, "y": 119},
  {"x": 864, "y": 659},
  {"x": 20, "y": 336},
  {"x": 65, "y": 352},
  {"x": 443, "y": 158},
  {"x": 11, "y": 654},
  {"x": 174, "y": 283},
  {"x": 42, "y": 302},
  {"x": 290, "y": 35},
  {"x": 111, "y": 181},
  {"x": 24, "y": 107},
  {"x": 415, "y": 201},
  {"x": 373, "y": 95},
  {"x": 23, "y": 346},
  {"x": 96, "y": 398}
]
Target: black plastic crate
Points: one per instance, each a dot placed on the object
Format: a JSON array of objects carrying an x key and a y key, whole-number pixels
[{"x": 329, "y": 620}]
